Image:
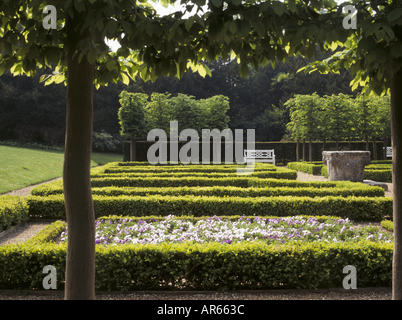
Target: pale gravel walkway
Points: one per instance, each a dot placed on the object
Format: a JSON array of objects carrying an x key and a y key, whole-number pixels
[{"x": 24, "y": 231}]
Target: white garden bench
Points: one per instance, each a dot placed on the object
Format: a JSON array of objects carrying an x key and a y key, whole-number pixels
[
  {"x": 389, "y": 152},
  {"x": 260, "y": 155}
]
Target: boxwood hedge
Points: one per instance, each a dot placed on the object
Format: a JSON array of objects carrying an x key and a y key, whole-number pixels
[
  {"x": 214, "y": 266},
  {"x": 13, "y": 210},
  {"x": 357, "y": 191},
  {"x": 354, "y": 208}
]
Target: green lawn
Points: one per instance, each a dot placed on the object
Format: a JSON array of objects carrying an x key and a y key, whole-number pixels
[{"x": 21, "y": 167}]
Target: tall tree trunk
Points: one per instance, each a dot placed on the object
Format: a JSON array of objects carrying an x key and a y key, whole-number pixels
[
  {"x": 337, "y": 145},
  {"x": 297, "y": 151},
  {"x": 304, "y": 149},
  {"x": 80, "y": 261},
  {"x": 323, "y": 144},
  {"x": 310, "y": 154},
  {"x": 396, "y": 133},
  {"x": 133, "y": 149},
  {"x": 349, "y": 144},
  {"x": 375, "y": 148},
  {"x": 367, "y": 146},
  {"x": 385, "y": 149}
]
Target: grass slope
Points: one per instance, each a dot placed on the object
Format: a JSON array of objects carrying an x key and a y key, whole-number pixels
[{"x": 21, "y": 167}]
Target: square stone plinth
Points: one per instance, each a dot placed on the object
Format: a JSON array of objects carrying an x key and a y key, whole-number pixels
[{"x": 346, "y": 165}]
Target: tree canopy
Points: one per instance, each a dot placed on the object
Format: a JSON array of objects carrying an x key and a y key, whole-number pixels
[{"x": 254, "y": 32}]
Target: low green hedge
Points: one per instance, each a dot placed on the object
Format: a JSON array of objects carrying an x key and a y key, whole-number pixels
[
  {"x": 254, "y": 182},
  {"x": 48, "y": 233},
  {"x": 13, "y": 210},
  {"x": 238, "y": 181},
  {"x": 290, "y": 174},
  {"x": 276, "y": 174},
  {"x": 357, "y": 191},
  {"x": 306, "y": 167},
  {"x": 354, "y": 208},
  {"x": 387, "y": 224},
  {"x": 378, "y": 167},
  {"x": 56, "y": 187},
  {"x": 179, "y": 164},
  {"x": 381, "y": 162},
  {"x": 378, "y": 175},
  {"x": 324, "y": 171},
  {"x": 375, "y": 175},
  {"x": 182, "y": 169},
  {"x": 214, "y": 266}
]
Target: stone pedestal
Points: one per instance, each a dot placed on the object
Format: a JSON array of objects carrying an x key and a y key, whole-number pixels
[{"x": 346, "y": 165}]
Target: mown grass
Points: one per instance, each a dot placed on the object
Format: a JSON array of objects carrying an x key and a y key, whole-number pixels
[{"x": 22, "y": 167}]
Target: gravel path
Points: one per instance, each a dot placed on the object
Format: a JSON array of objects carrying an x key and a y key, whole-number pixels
[{"x": 26, "y": 230}]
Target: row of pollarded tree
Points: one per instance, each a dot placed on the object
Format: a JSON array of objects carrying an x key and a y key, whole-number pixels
[
  {"x": 339, "y": 118},
  {"x": 138, "y": 115}
]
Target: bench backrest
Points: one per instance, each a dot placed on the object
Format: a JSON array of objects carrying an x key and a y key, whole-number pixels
[
  {"x": 269, "y": 154},
  {"x": 389, "y": 151}
]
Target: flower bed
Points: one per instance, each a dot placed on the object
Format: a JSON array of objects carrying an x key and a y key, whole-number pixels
[{"x": 216, "y": 229}]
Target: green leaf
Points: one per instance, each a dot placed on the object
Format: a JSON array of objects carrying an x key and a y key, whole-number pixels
[
  {"x": 233, "y": 27},
  {"x": 397, "y": 50},
  {"x": 279, "y": 7},
  {"x": 53, "y": 56},
  {"x": 395, "y": 14},
  {"x": 33, "y": 53},
  {"x": 189, "y": 23},
  {"x": 13, "y": 38},
  {"x": 164, "y": 3},
  {"x": 110, "y": 65},
  {"x": 111, "y": 27},
  {"x": 264, "y": 6},
  {"x": 217, "y": 3},
  {"x": 244, "y": 28},
  {"x": 292, "y": 6},
  {"x": 388, "y": 31},
  {"x": 126, "y": 79},
  {"x": 79, "y": 5},
  {"x": 243, "y": 70},
  {"x": 372, "y": 29},
  {"x": 91, "y": 56},
  {"x": 260, "y": 28},
  {"x": 200, "y": 3},
  {"x": 100, "y": 25},
  {"x": 311, "y": 51}
]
